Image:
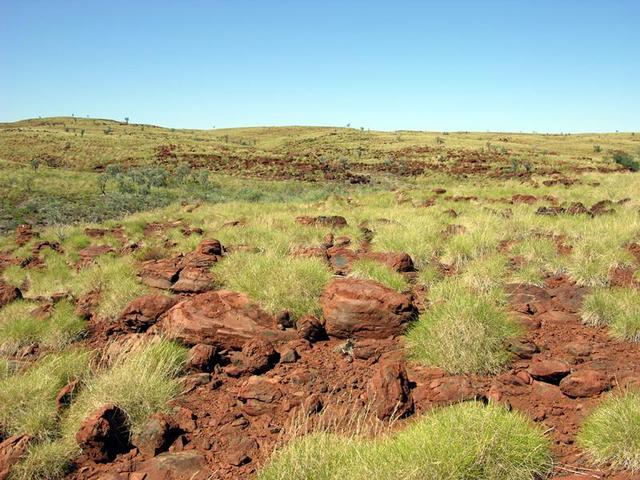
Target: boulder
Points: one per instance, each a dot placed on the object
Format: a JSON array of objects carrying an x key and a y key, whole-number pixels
[
  {"x": 8, "y": 293},
  {"x": 160, "y": 273},
  {"x": 193, "y": 279},
  {"x": 311, "y": 329},
  {"x": 550, "y": 371},
  {"x": 202, "y": 358},
  {"x": 223, "y": 318},
  {"x": 585, "y": 383},
  {"x": 104, "y": 434},
  {"x": 398, "y": 261},
  {"x": 12, "y": 450},
  {"x": 259, "y": 355},
  {"x": 341, "y": 259},
  {"x": 355, "y": 308},
  {"x": 66, "y": 394},
  {"x": 144, "y": 312},
  {"x": 156, "y": 435},
  {"x": 87, "y": 304},
  {"x": 388, "y": 391},
  {"x": 185, "y": 465}
]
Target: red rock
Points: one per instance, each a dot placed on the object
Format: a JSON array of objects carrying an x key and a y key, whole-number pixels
[
  {"x": 311, "y": 329},
  {"x": 185, "y": 465},
  {"x": 259, "y": 355},
  {"x": 258, "y": 395},
  {"x": 104, "y": 434},
  {"x": 334, "y": 221},
  {"x": 24, "y": 233},
  {"x": 303, "y": 251},
  {"x": 224, "y": 318},
  {"x": 451, "y": 390},
  {"x": 354, "y": 308},
  {"x": 210, "y": 247},
  {"x": 8, "y": 293},
  {"x": 584, "y": 383},
  {"x": 160, "y": 273},
  {"x": 550, "y": 371},
  {"x": 528, "y": 199},
  {"x": 389, "y": 392},
  {"x": 155, "y": 436},
  {"x": 66, "y": 394},
  {"x": 89, "y": 254},
  {"x": 341, "y": 259},
  {"x": 144, "y": 311},
  {"x": 202, "y": 358},
  {"x": 398, "y": 261},
  {"x": 12, "y": 450},
  {"x": 193, "y": 279},
  {"x": 87, "y": 304}
]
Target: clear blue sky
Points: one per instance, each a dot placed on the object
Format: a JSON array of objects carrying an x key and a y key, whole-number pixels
[{"x": 534, "y": 65}]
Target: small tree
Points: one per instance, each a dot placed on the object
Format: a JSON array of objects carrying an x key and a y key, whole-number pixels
[
  {"x": 102, "y": 180},
  {"x": 35, "y": 163},
  {"x": 126, "y": 120}
]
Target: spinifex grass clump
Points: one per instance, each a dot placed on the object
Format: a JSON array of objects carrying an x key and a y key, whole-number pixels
[
  {"x": 27, "y": 400},
  {"x": 372, "y": 270},
  {"x": 464, "y": 441},
  {"x": 141, "y": 379},
  {"x": 19, "y": 327},
  {"x": 611, "y": 433},
  {"x": 277, "y": 282},
  {"x": 463, "y": 331},
  {"x": 619, "y": 308}
]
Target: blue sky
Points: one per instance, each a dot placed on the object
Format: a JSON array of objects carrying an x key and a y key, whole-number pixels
[{"x": 545, "y": 66}]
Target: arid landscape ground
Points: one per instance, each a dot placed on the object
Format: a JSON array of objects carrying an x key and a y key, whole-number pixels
[{"x": 317, "y": 303}]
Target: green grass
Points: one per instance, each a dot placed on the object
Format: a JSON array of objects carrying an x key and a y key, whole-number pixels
[
  {"x": 462, "y": 332},
  {"x": 618, "y": 308},
  {"x": 276, "y": 282},
  {"x": 466, "y": 441},
  {"x": 140, "y": 380},
  {"x": 27, "y": 400},
  {"x": 611, "y": 433},
  {"x": 372, "y": 270},
  {"x": 19, "y": 328}
]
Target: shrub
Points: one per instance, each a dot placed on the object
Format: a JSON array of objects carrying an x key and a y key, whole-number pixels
[
  {"x": 464, "y": 441},
  {"x": 625, "y": 160},
  {"x": 611, "y": 433},
  {"x": 463, "y": 331}
]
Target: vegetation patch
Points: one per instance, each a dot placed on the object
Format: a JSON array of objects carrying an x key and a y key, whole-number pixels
[
  {"x": 467, "y": 440},
  {"x": 462, "y": 332},
  {"x": 611, "y": 433},
  {"x": 372, "y": 270},
  {"x": 618, "y": 308},
  {"x": 277, "y": 282}
]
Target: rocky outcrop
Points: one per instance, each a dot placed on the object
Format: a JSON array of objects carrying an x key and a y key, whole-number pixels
[
  {"x": 188, "y": 273},
  {"x": 354, "y": 308}
]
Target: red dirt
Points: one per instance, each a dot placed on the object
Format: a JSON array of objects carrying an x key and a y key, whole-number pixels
[{"x": 235, "y": 420}]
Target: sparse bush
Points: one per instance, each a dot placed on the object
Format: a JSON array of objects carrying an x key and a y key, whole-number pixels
[
  {"x": 611, "y": 433},
  {"x": 626, "y": 160},
  {"x": 597, "y": 149}
]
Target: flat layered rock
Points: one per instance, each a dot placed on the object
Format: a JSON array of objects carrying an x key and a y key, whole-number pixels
[
  {"x": 354, "y": 308},
  {"x": 224, "y": 318}
]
